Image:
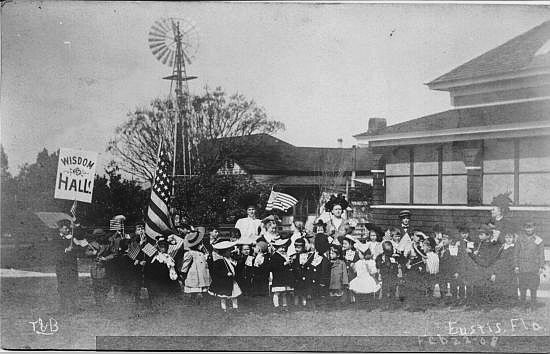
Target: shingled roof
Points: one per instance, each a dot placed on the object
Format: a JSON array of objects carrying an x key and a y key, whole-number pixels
[
  {"x": 530, "y": 50},
  {"x": 472, "y": 117},
  {"x": 274, "y": 156}
]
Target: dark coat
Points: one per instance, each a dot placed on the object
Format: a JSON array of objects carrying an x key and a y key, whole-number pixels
[
  {"x": 260, "y": 277},
  {"x": 66, "y": 268},
  {"x": 503, "y": 268},
  {"x": 387, "y": 268},
  {"x": 282, "y": 274},
  {"x": 529, "y": 254},
  {"x": 157, "y": 279},
  {"x": 449, "y": 264},
  {"x": 302, "y": 284},
  {"x": 319, "y": 276},
  {"x": 243, "y": 276},
  {"x": 349, "y": 262},
  {"x": 487, "y": 253},
  {"x": 222, "y": 278}
]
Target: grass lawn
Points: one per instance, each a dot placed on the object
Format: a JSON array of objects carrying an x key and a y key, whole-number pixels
[{"x": 356, "y": 329}]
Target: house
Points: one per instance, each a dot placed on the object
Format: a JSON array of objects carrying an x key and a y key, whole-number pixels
[
  {"x": 447, "y": 167},
  {"x": 302, "y": 172}
]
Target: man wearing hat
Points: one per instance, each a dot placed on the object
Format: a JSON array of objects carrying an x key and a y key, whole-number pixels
[
  {"x": 405, "y": 244},
  {"x": 250, "y": 224}
]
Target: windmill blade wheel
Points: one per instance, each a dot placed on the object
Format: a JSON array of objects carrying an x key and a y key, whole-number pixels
[{"x": 163, "y": 37}]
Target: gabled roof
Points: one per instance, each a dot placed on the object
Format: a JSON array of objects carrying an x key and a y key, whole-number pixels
[
  {"x": 472, "y": 117},
  {"x": 524, "y": 52},
  {"x": 51, "y": 219},
  {"x": 270, "y": 155}
]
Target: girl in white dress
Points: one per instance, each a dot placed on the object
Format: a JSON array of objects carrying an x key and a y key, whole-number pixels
[{"x": 364, "y": 283}]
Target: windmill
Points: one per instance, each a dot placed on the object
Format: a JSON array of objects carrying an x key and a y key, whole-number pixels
[{"x": 174, "y": 42}]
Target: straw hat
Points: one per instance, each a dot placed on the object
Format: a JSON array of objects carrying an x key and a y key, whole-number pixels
[{"x": 193, "y": 238}]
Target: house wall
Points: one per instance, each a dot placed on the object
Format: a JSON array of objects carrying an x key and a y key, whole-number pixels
[{"x": 466, "y": 173}]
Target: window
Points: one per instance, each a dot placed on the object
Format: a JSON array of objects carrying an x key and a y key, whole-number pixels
[
  {"x": 454, "y": 187},
  {"x": 534, "y": 171},
  {"x": 398, "y": 172},
  {"x": 437, "y": 175},
  {"x": 518, "y": 166}
]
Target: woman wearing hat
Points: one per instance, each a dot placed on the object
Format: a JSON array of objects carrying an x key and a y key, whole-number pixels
[
  {"x": 279, "y": 265},
  {"x": 337, "y": 223},
  {"x": 224, "y": 284},
  {"x": 195, "y": 267},
  {"x": 160, "y": 275}
]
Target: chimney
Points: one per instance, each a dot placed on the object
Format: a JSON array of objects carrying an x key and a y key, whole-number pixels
[
  {"x": 340, "y": 142},
  {"x": 376, "y": 124}
]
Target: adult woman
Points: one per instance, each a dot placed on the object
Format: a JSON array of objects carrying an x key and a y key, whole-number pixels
[{"x": 336, "y": 223}]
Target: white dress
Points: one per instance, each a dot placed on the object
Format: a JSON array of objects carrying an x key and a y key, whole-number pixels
[{"x": 364, "y": 283}]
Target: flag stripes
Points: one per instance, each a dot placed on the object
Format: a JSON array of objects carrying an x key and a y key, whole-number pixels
[
  {"x": 281, "y": 201},
  {"x": 115, "y": 224},
  {"x": 158, "y": 217}
]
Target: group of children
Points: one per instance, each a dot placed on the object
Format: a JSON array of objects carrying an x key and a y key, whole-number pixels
[{"x": 401, "y": 266}]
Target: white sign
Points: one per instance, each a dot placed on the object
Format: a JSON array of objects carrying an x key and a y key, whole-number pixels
[{"x": 75, "y": 175}]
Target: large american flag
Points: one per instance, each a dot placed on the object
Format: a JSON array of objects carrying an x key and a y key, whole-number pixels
[
  {"x": 158, "y": 216},
  {"x": 281, "y": 201}
]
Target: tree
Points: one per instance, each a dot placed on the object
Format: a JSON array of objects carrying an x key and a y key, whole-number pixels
[
  {"x": 330, "y": 178},
  {"x": 33, "y": 189},
  {"x": 4, "y": 163},
  {"x": 212, "y": 117},
  {"x": 216, "y": 199}
]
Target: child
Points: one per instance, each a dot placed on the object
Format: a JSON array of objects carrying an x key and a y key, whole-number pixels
[
  {"x": 414, "y": 285},
  {"x": 318, "y": 271},
  {"x": 350, "y": 256},
  {"x": 260, "y": 270},
  {"x": 432, "y": 265},
  {"x": 243, "y": 269},
  {"x": 338, "y": 274},
  {"x": 194, "y": 268},
  {"x": 300, "y": 262},
  {"x": 375, "y": 246},
  {"x": 160, "y": 275},
  {"x": 529, "y": 262},
  {"x": 223, "y": 285},
  {"x": 100, "y": 250},
  {"x": 298, "y": 229},
  {"x": 504, "y": 277},
  {"x": 363, "y": 283},
  {"x": 485, "y": 254},
  {"x": 283, "y": 280},
  {"x": 388, "y": 265},
  {"x": 449, "y": 272}
]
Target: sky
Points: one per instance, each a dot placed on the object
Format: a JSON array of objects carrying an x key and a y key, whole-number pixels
[{"x": 71, "y": 71}]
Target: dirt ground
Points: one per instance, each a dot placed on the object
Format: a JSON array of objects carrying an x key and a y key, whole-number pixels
[{"x": 365, "y": 328}]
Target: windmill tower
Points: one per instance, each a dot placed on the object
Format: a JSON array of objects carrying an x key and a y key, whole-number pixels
[{"x": 174, "y": 42}]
